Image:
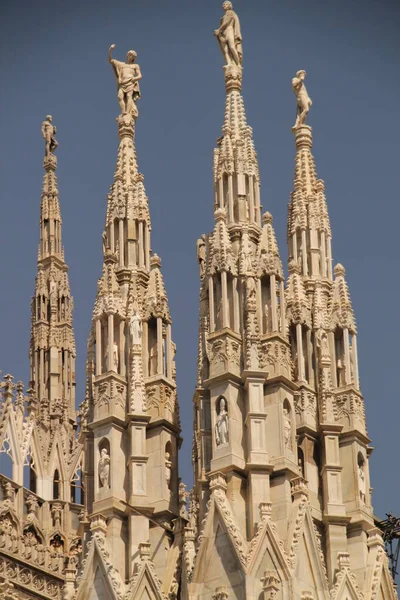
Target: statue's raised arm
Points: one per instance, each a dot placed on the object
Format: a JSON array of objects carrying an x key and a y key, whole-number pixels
[
  {"x": 128, "y": 75},
  {"x": 303, "y": 100},
  {"x": 229, "y": 36}
]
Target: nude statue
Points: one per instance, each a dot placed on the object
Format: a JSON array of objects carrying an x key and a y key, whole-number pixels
[
  {"x": 201, "y": 255},
  {"x": 229, "y": 36},
  {"x": 48, "y": 132},
  {"x": 104, "y": 469},
  {"x": 128, "y": 75},
  {"x": 304, "y": 101}
]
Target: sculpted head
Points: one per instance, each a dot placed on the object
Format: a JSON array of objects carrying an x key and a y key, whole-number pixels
[
  {"x": 131, "y": 56},
  {"x": 49, "y": 118},
  {"x": 227, "y": 5}
]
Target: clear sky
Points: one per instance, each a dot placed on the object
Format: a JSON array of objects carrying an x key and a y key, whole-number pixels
[{"x": 53, "y": 59}]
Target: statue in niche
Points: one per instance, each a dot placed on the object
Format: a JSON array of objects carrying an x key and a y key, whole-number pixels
[
  {"x": 153, "y": 361},
  {"x": 229, "y": 36},
  {"x": 49, "y": 132},
  {"x": 250, "y": 288},
  {"x": 104, "y": 240},
  {"x": 266, "y": 318},
  {"x": 361, "y": 482},
  {"x": 104, "y": 469},
  {"x": 222, "y": 424},
  {"x": 168, "y": 469},
  {"x": 128, "y": 75},
  {"x": 201, "y": 255},
  {"x": 115, "y": 358},
  {"x": 303, "y": 100},
  {"x": 135, "y": 328},
  {"x": 287, "y": 429}
]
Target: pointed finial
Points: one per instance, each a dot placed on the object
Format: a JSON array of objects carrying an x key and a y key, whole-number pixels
[
  {"x": 303, "y": 100},
  {"x": 229, "y": 39},
  {"x": 127, "y": 75}
]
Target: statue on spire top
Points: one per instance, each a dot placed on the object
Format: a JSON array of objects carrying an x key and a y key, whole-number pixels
[
  {"x": 229, "y": 36},
  {"x": 304, "y": 101},
  {"x": 49, "y": 132},
  {"x": 127, "y": 75}
]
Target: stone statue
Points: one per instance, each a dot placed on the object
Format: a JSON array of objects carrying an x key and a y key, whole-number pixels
[
  {"x": 250, "y": 288},
  {"x": 222, "y": 424},
  {"x": 48, "y": 132},
  {"x": 201, "y": 255},
  {"x": 115, "y": 358},
  {"x": 287, "y": 428},
  {"x": 168, "y": 469},
  {"x": 104, "y": 469},
  {"x": 135, "y": 328},
  {"x": 229, "y": 36},
  {"x": 303, "y": 99},
  {"x": 104, "y": 239},
  {"x": 127, "y": 74},
  {"x": 361, "y": 483},
  {"x": 266, "y": 317}
]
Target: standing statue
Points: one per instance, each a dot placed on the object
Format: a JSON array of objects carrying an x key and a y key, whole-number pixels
[
  {"x": 201, "y": 255},
  {"x": 104, "y": 240},
  {"x": 127, "y": 75},
  {"x": 168, "y": 469},
  {"x": 115, "y": 358},
  {"x": 104, "y": 469},
  {"x": 229, "y": 36},
  {"x": 135, "y": 328},
  {"x": 287, "y": 428},
  {"x": 361, "y": 483},
  {"x": 49, "y": 132},
  {"x": 222, "y": 425},
  {"x": 250, "y": 288},
  {"x": 304, "y": 101}
]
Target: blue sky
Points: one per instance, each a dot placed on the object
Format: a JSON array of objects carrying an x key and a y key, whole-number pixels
[{"x": 53, "y": 59}]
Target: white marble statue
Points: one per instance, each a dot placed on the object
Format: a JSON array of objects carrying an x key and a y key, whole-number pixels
[
  {"x": 222, "y": 424},
  {"x": 229, "y": 36},
  {"x": 303, "y": 100},
  {"x": 287, "y": 428},
  {"x": 128, "y": 75},
  {"x": 115, "y": 358},
  {"x": 135, "y": 328},
  {"x": 104, "y": 469},
  {"x": 361, "y": 483},
  {"x": 168, "y": 469},
  {"x": 201, "y": 255},
  {"x": 48, "y": 132}
]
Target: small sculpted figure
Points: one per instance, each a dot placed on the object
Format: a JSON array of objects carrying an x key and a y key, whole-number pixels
[
  {"x": 303, "y": 100},
  {"x": 104, "y": 240},
  {"x": 128, "y": 75},
  {"x": 135, "y": 328},
  {"x": 104, "y": 469},
  {"x": 115, "y": 358},
  {"x": 287, "y": 427},
  {"x": 168, "y": 469},
  {"x": 222, "y": 425},
  {"x": 266, "y": 318},
  {"x": 250, "y": 288},
  {"x": 48, "y": 132},
  {"x": 201, "y": 255},
  {"x": 361, "y": 483},
  {"x": 229, "y": 36}
]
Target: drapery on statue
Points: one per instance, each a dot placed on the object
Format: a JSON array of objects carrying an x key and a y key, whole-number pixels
[
  {"x": 104, "y": 469},
  {"x": 304, "y": 101},
  {"x": 201, "y": 255},
  {"x": 49, "y": 132},
  {"x": 229, "y": 36},
  {"x": 127, "y": 75},
  {"x": 222, "y": 424}
]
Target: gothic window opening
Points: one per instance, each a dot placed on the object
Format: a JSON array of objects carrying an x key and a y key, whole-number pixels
[{"x": 56, "y": 485}]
